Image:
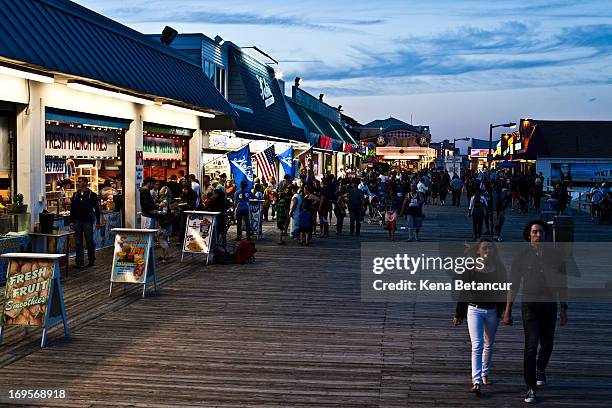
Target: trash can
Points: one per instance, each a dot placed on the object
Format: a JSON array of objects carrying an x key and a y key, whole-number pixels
[
  {"x": 46, "y": 222},
  {"x": 563, "y": 228}
]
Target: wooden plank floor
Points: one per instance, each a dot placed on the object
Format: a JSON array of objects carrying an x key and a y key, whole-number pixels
[{"x": 292, "y": 331}]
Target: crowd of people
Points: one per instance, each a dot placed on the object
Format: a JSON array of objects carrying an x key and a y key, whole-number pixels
[{"x": 305, "y": 206}]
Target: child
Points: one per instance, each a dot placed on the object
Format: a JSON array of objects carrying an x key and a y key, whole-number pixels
[
  {"x": 305, "y": 223},
  {"x": 282, "y": 209},
  {"x": 165, "y": 222}
]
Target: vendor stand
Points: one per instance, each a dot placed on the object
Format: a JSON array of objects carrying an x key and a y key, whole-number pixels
[{"x": 14, "y": 229}]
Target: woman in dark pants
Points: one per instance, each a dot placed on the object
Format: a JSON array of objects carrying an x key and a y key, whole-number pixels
[{"x": 478, "y": 211}]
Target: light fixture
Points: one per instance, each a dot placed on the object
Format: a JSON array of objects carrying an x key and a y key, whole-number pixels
[
  {"x": 176, "y": 108},
  {"x": 26, "y": 75},
  {"x": 111, "y": 94},
  {"x": 278, "y": 75}
]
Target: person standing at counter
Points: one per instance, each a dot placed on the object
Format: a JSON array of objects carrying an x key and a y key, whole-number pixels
[
  {"x": 147, "y": 204},
  {"x": 174, "y": 186},
  {"x": 84, "y": 209}
]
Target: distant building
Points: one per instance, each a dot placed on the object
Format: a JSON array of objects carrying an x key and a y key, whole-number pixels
[
  {"x": 577, "y": 152},
  {"x": 397, "y": 142}
]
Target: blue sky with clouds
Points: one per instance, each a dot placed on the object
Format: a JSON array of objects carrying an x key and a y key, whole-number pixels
[{"x": 455, "y": 65}]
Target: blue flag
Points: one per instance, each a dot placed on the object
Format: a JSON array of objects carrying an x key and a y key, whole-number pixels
[
  {"x": 242, "y": 168},
  {"x": 286, "y": 160}
]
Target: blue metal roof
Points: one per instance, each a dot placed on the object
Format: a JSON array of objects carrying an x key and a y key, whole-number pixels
[
  {"x": 315, "y": 123},
  {"x": 244, "y": 90},
  {"x": 61, "y": 36}
]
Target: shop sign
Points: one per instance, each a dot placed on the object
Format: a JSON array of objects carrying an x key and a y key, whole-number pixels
[
  {"x": 28, "y": 282},
  {"x": 479, "y": 153},
  {"x": 139, "y": 167},
  {"x": 223, "y": 141},
  {"x": 405, "y": 151},
  {"x": 131, "y": 256},
  {"x": 67, "y": 141},
  {"x": 55, "y": 166},
  {"x": 159, "y": 148},
  {"x": 266, "y": 92},
  {"x": 587, "y": 173}
]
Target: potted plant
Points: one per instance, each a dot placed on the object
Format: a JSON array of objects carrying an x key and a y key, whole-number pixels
[{"x": 19, "y": 207}]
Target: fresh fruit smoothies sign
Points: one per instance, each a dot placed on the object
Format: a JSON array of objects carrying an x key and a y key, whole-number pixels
[
  {"x": 130, "y": 257},
  {"x": 27, "y": 292}
]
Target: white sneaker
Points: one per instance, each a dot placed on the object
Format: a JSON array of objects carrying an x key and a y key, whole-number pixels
[{"x": 530, "y": 398}]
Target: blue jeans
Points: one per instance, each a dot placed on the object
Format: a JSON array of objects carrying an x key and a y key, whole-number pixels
[
  {"x": 482, "y": 325},
  {"x": 84, "y": 229}
]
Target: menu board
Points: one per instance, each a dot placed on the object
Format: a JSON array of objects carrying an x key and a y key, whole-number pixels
[
  {"x": 26, "y": 295},
  {"x": 198, "y": 232},
  {"x": 131, "y": 257}
]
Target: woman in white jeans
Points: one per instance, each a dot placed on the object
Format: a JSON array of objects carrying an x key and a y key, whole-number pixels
[{"x": 482, "y": 309}]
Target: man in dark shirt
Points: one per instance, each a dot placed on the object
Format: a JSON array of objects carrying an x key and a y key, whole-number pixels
[
  {"x": 84, "y": 209},
  {"x": 540, "y": 270},
  {"x": 355, "y": 205},
  {"x": 147, "y": 204},
  {"x": 174, "y": 186}
]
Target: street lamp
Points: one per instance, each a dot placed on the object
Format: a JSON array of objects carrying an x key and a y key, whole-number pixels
[
  {"x": 454, "y": 148},
  {"x": 510, "y": 125}
]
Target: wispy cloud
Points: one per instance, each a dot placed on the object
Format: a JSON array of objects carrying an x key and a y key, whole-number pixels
[
  {"x": 142, "y": 14},
  {"x": 511, "y": 47}
]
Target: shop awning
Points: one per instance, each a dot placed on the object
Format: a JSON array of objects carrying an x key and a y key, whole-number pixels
[
  {"x": 61, "y": 115},
  {"x": 62, "y": 37},
  {"x": 258, "y": 100},
  {"x": 316, "y": 125}
]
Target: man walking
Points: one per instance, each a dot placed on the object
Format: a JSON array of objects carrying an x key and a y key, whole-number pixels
[
  {"x": 456, "y": 186},
  {"x": 540, "y": 271},
  {"x": 84, "y": 209},
  {"x": 355, "y": 206}
]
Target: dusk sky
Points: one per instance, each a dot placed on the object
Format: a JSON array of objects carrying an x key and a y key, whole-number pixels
[{"x": 454, "y": 65}]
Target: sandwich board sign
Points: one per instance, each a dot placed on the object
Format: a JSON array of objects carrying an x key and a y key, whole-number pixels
[
  {"x": 33, "y": 294},
  {"x": 199, "y": 233},
  {"x": 256, "y": 214},
  {"x": 133, "y": 258}
]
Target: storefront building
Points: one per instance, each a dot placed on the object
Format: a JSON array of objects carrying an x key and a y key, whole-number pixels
[
  {"x": 400, "y": 144},
  {"x": 576, "y": 152},
  {"x": 92, "y": 108},
  {"x": 335, "y": 150}
]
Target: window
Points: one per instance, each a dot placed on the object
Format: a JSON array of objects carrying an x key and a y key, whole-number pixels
[
  {"x": 209, "y": 69},
  {"x": 220, "y": 79}
]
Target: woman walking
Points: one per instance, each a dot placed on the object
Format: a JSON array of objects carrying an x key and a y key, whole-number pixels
[
  {"x": 413, "y": 208},
  {"x": 483, "y": 310},
  {"x": 477, "y": 210},
  {"x": 389, "y": 203},
  {"x": 294, "y": 212}
]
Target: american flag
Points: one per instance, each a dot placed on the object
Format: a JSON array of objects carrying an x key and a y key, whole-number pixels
[{"x": 266, "y": 163}]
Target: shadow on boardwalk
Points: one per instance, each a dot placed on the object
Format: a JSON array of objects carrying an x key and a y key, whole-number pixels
[{"x": 291, "y": 330}]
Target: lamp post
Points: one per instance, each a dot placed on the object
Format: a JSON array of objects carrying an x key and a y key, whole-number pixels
[
  {"x": 454, "y": 148},
  {"x": 510, "y": 125}
]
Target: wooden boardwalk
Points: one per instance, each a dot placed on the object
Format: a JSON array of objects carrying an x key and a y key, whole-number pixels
[{"x": 292, "y": 331}]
